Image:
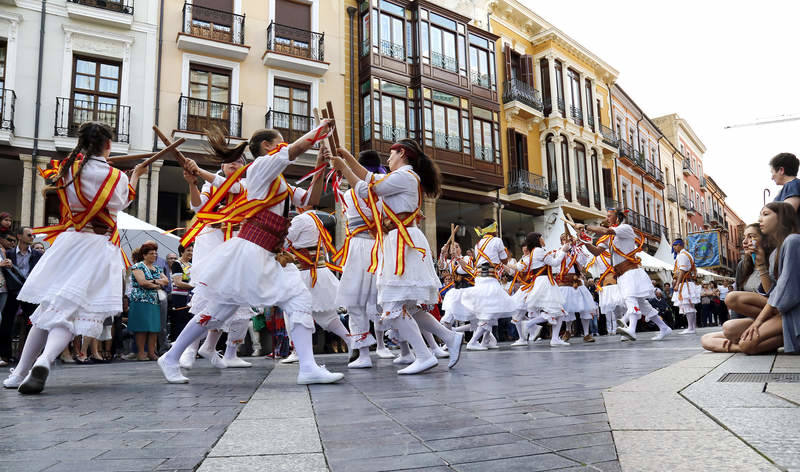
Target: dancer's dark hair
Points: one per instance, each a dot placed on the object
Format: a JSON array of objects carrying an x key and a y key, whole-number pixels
[
  {"x": 787, "y": 224},
  {"x": 371, "y": 161},
  {"x": 259, "y": 137},
  {"x": 92, "y": 139},
  {"x": 621, "y": 216},
  {"x": 218, "y": 145},
  {"x": 427, "y": 170},
  {"x": 533, "y": 240}
]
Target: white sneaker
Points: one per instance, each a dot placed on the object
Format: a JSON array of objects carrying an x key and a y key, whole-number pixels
[
  {"x": 626, "y": 332},
  {"x": 256, "y": 353},
  {"x": 419, "y": 365},
  {"x": 3, "y": 363},
  {"x": 214, "y": 357},
  {"x": 688, "y": 331},
  {"x": 291, "y": 359},
  {"x": 363, "y": 362},
  {"x": 519, "y": 342},
  {"x": 187, "y": 359},
  {"x": 558, "y": 342},
  {"x": 36, "y": 378},
  {"x": 439, "y": 352},
  {"x": 171, "y": 372},
  {"x": 476, "y": 347},
  {"x": 454, "y": 349},
  {"x": 237, "y": 363},
  {"x": 384, "y": 353},
  {"x": 320, "y": 375},
  {"x": 662, "y": 334},
  {"x": 492, "y": 342},
  {"x": 404, "y": 360},
  {"x": 13, "y": 380},
  {"x": 535, "y": 334}
]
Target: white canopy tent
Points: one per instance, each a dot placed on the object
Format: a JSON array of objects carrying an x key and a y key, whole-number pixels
[{"x": 133, "y": 232}]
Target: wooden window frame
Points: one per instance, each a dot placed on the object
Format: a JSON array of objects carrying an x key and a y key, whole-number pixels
[{"x": 96, "y": 93}]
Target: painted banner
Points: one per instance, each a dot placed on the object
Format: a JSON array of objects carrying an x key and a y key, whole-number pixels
[{"x": 705, "y": 247}]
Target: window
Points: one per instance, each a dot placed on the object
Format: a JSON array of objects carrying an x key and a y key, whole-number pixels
[
  {"x": 443, "y": 48},
  {"x": 391, "y": 30},
  {"x": 482, "y": 127},
  {"x": 392, "y": 112},
  {"x": 580, "y": 168},
  {"x": 596, "y": 178},
  {"x": 624, "y": 203},
  {"x": 290, "y": 109},
  {"x": 589, "y": 101},
  {"x": 446, "y": 126},
  {"x": 575, "y": 91},
  {"x": 209, "y": 98},
  {"x": 544, "y": 69},
  {"x": 212, "y": 19},
  {"x": 565, "y": 166},
  {"x": 560, "y": 86},
  {"x": 552, "y": 169},
  {"x": 95, "y": 92},
  {"x": 293, "y": 34},
  {"x": 3, "y": 115},
  {"x": 479, "y": 63}
]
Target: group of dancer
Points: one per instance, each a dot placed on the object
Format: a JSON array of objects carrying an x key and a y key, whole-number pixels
[{"x": 249, "y": 255}]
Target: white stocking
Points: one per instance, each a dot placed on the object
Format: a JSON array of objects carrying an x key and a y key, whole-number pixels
[
  {"x": 691, "y": 320},
  {"x": 336, "y": 327},
  {"x": 236, "y": 336},
  {"x": 585, "y": 324},
  {"x": 210, "y": 344},
  {"x": 303, "y": 347},
  {"x": 57, "y": 339},
  {"x": 33, "y": 347},
  {"x": 408, "y": 330},
  {"x": 556, "y": 328},
  {"x": 428, "y": 324},
  {"x": 255, "y": 336},
  {"x": 381, "y": 344}
]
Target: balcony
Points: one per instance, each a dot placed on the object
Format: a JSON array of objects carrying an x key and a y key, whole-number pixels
[
  {"x": 583, "y": 196},
  {"x": 484, "y": 153},
  {"x": 691, "y": 210},
  {"x": 213, "y": 32},
  {"x": 70, "y": 114},
  {"x": 196, "y": 116},
  {"x": 645, "y": 224},
  {"x": 292, "y": 127},
  {"x": 672, "y": 193},
  {"x": 639, "y": 160},
  {"x": 115, "y": 12},
  {"x": 393, "y": 50},
  {"x": 702, "y": 182},
  {"x": 687, "y": 167},
  {"x": 684, "y": 202},
  {"x": 625, "y": 150},
  {"x": 522, "y": 181},
  {"x": 654, "y": 173},
  {"x": 392, "y": 133},
  {"x": 447, "y": 141},
  {"x": 523, "y": 98},
  {"x": 590, "y": 122},
  {"x": 296, "y": 49},
  {"x": 576, "y": 114},
  {"x": 609, "y": 136},
  {"x": 444, "y": 62},
  {"x": 8, "y": 101}
]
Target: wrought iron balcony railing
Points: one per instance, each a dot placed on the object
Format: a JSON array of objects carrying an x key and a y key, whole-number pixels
[
  {"x": 522, "y": 181},
  {"x": 672, "y": 193},
  {"x": 687, "y": 167},
  {"x": 393, "y": 50},
  {"x": 484, "y": 153},
  {"x": 517, "y": 90},
  {"x": 590, "y": 122},
  {"x": 71, "y": 113},
  {"x": 209, "y": 23},
  {"x": 392, "y": 133},
  {"x": 481, "y": 80},
  {"x": 684, "y": 202},
  {"x": 625, "y": 149},
  {"x": 447, "y": 141},
  {"x": 654, "y": 171},
  {"x": 609, "y": 136},
  {"x": 292, "y": 127},
  {"x": 444, "y": 62},
  {"x": 645, "y": 224},
  {"x": 561, "y": 106},
  {"x": 195, "y": 114},
  {"x": 576, "y": 114},
  {"x": 295, "y": 42},
  {"x": 639, "y": 160},
  {"x": 121, "y": 6},
  {"x": 702, "y": 182},
  {"x": 583, "y": 195},
  {"x": 8, "y": 100}
]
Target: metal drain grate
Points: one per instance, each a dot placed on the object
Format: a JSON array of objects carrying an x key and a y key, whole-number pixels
[{"x": 788, "y": 377}]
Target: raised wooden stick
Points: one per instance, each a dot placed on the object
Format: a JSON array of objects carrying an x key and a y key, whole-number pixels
[
  {"x": 331, "y": 139},
  {"x": 160, "y": 154},
  {"x": 130, "y": 157},
  {"x": 329, "y": 107},
  {"x": 178, "y": 155}
]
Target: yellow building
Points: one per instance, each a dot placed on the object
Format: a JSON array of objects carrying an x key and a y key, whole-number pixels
[{"x": 243, "y": 66}]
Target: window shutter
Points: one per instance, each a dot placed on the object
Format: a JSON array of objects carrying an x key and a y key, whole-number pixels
[
  {"x": 512, "y": 149},
  {"x": 296, "y": 15},
  {"x": 524, "y": 163},
  {"x": 507, "y": 58},
  {"x": 607, "y": 184},
  {"x": 200, "y": 13},
  {"x": 527, "y": 69}
]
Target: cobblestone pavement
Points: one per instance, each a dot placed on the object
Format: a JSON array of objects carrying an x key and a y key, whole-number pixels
[
  {"x": 122, "y": 417},
  {"x": 520, "y": 409}
]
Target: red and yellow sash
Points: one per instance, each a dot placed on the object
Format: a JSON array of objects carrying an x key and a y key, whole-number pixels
[
  {"x": 403, "y": 237},
  {"x": 323, "y": 241},
  {"x": 94, "y": 209},
  {"x": 240, "y": 208},
  {"x": 686, "y": 276},
  {"x": 631, "y": 256},
  {"x": 524, "y": 278},
  {"x": 544, "y": 269},
  {"x": 369, "y": 225}
]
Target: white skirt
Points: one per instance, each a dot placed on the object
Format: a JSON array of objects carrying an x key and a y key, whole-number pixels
[
  {"x": 451, "y": 305},
  {"x": 487, "y": 300},
  {"x": 635, "y": 283},
  {"x": 519, "y": 299},
  {"x": 323, "y": 293},
  {"x": 418, "y": 285},
  {"x": 205, "y": 243},
  {"x": 242, "y": 273},
  {"x": 687, "y": 298},
  {"x": 77, "y": 284},
  {"x": 577, "y": 300},
  {"x": 357, "y": 287},
  {"x": 610, "y": 299},
  {"x": 545, "y": 296}
]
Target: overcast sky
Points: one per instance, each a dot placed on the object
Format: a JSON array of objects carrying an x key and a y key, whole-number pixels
[{"x": 714, "y": 63}]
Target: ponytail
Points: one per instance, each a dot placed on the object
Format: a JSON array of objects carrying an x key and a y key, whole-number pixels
[
  {"x": 92, "y": 139},
  {"x": 218, "y": 145},
  {"x": 259, "y": 137},
  {"x": 427, "y": 170}
]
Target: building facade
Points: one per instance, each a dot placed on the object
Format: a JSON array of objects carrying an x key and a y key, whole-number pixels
[{"x": 98, "y": 63}]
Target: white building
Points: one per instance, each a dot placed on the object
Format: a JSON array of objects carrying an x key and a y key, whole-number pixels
[{"x": 98, "y": 63}]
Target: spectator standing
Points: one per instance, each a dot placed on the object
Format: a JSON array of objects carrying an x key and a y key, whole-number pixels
[
  {"x": 23, "y": 259},
  {"x": 144, "y": 308},
  {"x": 784, "y": 172},
  {"x": 6, "y": 224},
  {"x": 705, "y": 305},
  {"x": 181, "y": 290},
  {"x": 163, "y": 299}
]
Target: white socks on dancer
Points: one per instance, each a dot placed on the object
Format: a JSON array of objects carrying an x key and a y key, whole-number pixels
[
  {"x": 33, "y": 347},
  {"x": 57, "y": 339},
  {"x": 408, "y": 330},
  {"x": 691, "y": 323},
  {"x": 191, "y": 333},
  {"x": 556, "y": 329},
  {"x": 236, "y": 336}
]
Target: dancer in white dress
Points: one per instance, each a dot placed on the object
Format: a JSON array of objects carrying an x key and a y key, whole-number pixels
[
  {"x": 634, "y": 284},
  {"x": 251, "y": 268},
  {"x": 612, "y": 305},
  {"x": 461, "y": 270},
  {"x": 686, "y": 294},
  {"x": 406, "y": 276},
  {"x": 569, "y": 276},
  {"x": 522, "y": 276},
  {"x": 78, "y": 282},
  {"x": 358, "y": 290},
  {"x": 543, "y": 298}
]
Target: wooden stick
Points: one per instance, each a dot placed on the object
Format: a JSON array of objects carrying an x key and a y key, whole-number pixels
[
  {"x": 336, "y": 141},
  {"x": 331, "y": 139},
  {"x": 160, "y": 154},
  {"x": 178, "y": 155},
  {"x": 132, "y": 157}
]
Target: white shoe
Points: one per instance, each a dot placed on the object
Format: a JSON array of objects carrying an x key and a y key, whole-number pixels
[
  {"x": 440, "y": 353},
  {"x": 662, "y": 334},
  {"x": 384, "y": 353},
  {"x": 256, "y": 353},
  {"x": 171, "y": 372},
  {"x": 419, "y": 365},
  {"x": 363, "y": 362},
  {"x": 476, "y": 347},
  {"x": 237, "y": 363},
  {"x": 320, "y": 375},
  {"x": 404, "y": 360},
  {"x": 558, "y": 342},
  {"x": 688, "y": 331},
  {"x": 3, "y": 363},
  {"x": 454, "y": 349},
  {"x": 519, "y": 342},
  {"x": 536, "y": 334},
  {"x": 187, "y": 359},
  {"x": 291, "y": 359},
  {"x": 214, "y": 357},
  {"x": 492, "y": 342},
  {"x": 13, "y": 380},
  {"x": 626, "y": 332},
  {"x": 36, "y": 378}
]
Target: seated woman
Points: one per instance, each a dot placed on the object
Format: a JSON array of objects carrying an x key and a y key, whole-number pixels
[{"x": 778, "y": 222}]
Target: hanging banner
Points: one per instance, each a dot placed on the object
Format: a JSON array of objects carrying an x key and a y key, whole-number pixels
[{"x": 705, "y": 247}]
